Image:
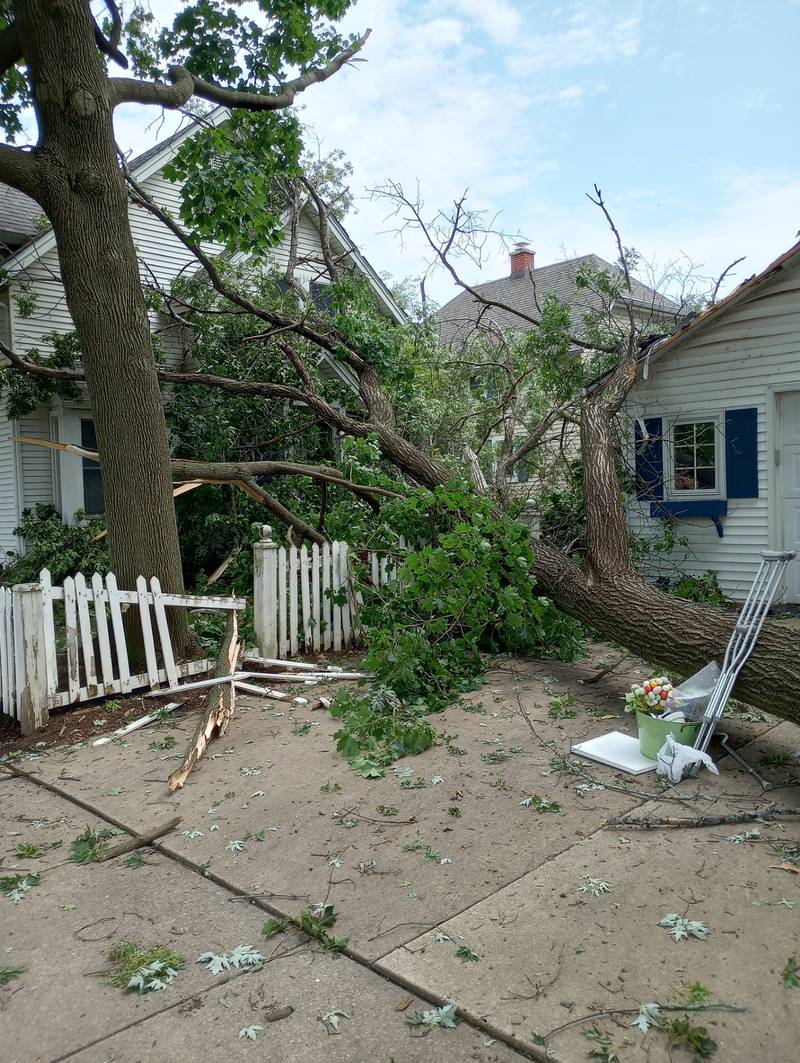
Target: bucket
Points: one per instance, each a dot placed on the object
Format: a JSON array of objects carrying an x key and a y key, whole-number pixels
[{"x": 653, "y": 733}]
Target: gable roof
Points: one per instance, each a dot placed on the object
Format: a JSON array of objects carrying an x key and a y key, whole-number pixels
[
  {"x": 143, "y": 166},
  {"x": 458, "y": 318},
  {"x": 665, "y": 344}
]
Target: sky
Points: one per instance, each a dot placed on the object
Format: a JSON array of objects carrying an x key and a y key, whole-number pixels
[{"x": 683, "y": 112}]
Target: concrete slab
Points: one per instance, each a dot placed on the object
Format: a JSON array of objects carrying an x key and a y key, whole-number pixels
[
  {"x": 207, "y": 1025},
  {"x": 63, "y": 928},
  {"x": 549, "y": 954},
  {"x": 488, "y": 762}
]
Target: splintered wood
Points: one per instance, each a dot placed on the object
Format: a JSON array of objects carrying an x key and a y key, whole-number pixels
[{"x": 221, "y": 700}]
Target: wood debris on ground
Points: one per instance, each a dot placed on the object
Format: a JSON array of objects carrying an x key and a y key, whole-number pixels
[{"x": 221, "y": 702}]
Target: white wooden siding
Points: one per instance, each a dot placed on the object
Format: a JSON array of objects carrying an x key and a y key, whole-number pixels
[
  {"x": 36, "y": 463},
  {"x": 730, "y": 364},
  {"x": 163, "y": 257},
  {"x": 9, "y": 508}
]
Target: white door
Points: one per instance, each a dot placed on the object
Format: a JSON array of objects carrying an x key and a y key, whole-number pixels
[{"x": 790, "y": 481}]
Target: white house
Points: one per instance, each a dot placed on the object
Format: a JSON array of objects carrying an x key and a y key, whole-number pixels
[
  {"x": 30, "y": 474},
  {"x": 716, "y": 424}
]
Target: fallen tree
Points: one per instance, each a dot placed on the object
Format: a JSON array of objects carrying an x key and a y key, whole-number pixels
[{"x": 602, "y": 590}]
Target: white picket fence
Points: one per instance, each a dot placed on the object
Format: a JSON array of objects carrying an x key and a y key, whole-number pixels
[
  {"x": 35, "y": 677},
  {"x": 305, "y": 598}
]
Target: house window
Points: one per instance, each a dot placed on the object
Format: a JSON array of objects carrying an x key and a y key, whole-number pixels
[
  {"x": 518, "y": 473},
  {"x": 93, "y": 502},
  {"x": 695, "y": 457},
  {"x": 321, "y": 296}
]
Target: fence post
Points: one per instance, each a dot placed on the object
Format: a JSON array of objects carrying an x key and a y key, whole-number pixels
[
  {"x": 265, "y": 593},
  {"x": 32, "y": 697}
]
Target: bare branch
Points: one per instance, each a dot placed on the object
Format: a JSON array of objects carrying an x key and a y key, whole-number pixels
[
  {"x": 723, "y": 275},
  {"x": 184, "y": 85},
  {"x": 110, "y": 45},
  {"x": 324, "y": 230},
  {"x": 459, "y": 224}
]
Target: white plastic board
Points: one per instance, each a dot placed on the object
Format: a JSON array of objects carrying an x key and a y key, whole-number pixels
[{"x": 616, "y": 750}]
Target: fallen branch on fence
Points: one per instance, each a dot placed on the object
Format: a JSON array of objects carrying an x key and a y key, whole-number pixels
[
  {"x": 654, "y": 822},
  {"x": 219, "y": 711},
  {"x": 139, "y": 840}
]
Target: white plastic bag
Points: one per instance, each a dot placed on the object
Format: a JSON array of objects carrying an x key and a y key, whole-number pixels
[
  {"x": 691, "y": 697},
  {"x": 674, "y": 760}
]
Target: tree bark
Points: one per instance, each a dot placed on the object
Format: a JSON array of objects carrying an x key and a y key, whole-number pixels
[
  {"x": 673, "y": 633},
  {"x": 82, "y": 191},
  {"x": 606, "y": 527}
]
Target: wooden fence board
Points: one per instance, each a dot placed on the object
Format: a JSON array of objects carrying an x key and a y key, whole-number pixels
[
  {"x": 316, "y": 611},
  {"x": 163, "y": 632},
  {"x": 117, "y": 626},
  {"x": 305, "y": 596},
  {"x": 293, "y": 633},
  {"x": 147, "y": 632},
  {"x": 283, "y": 639},
  {"x": 85, "y": 630},
  {"x": 101, "y": 623},
  {"x": 71, "y": 635},
  {"x": 327, "y": 610},
  {"x": 50, "y": 648}
]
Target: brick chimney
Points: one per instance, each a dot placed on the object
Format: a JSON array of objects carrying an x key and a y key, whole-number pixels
[{"x": 521, "y": 258}]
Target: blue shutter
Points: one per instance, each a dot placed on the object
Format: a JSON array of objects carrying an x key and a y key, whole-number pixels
[
  {"x": 741, "y": 453},
  {"x": 649, "y": 460},
  {"x": 522, "y": 473}
]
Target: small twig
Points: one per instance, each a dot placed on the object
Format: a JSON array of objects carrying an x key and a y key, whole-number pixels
[
  {"x": 609, "y": 668},
  {"x": 635, "y": 1011},
  {"x": 139, "y": 840},
  {"x": 397, "y": 926}
]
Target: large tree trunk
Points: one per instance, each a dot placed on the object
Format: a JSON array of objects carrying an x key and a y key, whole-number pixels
[
  {"x": 673, "y": 633},
  {"x": 608, "y": 596},
  {"x": 82, "y": 191}
]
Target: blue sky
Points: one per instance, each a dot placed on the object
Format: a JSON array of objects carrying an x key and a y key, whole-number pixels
[{"x": 684, "y": 113}]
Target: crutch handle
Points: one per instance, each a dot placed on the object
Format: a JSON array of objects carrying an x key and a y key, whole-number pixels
[{"x": 779, "y": 555}]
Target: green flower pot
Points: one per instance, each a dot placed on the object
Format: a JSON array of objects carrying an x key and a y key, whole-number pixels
[{"x": 653, "y": 733}]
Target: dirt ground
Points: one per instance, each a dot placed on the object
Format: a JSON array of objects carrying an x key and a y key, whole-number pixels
[{"x": 480, "y": 873}]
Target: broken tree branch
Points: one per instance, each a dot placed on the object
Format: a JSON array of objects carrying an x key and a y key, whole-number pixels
[
  {"x": 220, "y": 708},
  {"x": 138, "y": 841},
  {"x": 654, "y": 822}
]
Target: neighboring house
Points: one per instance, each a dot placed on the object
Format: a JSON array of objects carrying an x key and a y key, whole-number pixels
[
  {"x": 716, "y": 422},
  {"x": 524, "y": 289},
  {"x": 30, "y": 474}
]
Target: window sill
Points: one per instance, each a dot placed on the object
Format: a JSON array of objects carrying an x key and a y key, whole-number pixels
[{"x": 713, "y": 508}]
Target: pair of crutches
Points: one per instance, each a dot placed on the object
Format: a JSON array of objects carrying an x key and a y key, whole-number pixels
[{"x": 740, "y": 646}]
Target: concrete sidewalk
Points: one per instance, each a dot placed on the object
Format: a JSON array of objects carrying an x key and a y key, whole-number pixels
[{"x": 437, "y": 857}]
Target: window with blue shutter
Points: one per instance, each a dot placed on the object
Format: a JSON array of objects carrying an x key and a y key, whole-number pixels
[
  {"x": 649, "y": 459},
  {"x": 741, "y": 453}
]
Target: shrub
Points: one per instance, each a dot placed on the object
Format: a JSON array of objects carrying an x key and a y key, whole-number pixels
[
  {"x": 466, "y": 588},
  {"x": 62, "y": 548},
  {"x": 703, "y": 589}
]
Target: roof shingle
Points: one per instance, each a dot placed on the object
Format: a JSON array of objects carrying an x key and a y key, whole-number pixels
[{"x": 458, "y": 318}]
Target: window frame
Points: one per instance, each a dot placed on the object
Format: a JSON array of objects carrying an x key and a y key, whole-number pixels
[
  {"x": 717, "y": 419},
  {"x": 496, "y": 441}
]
